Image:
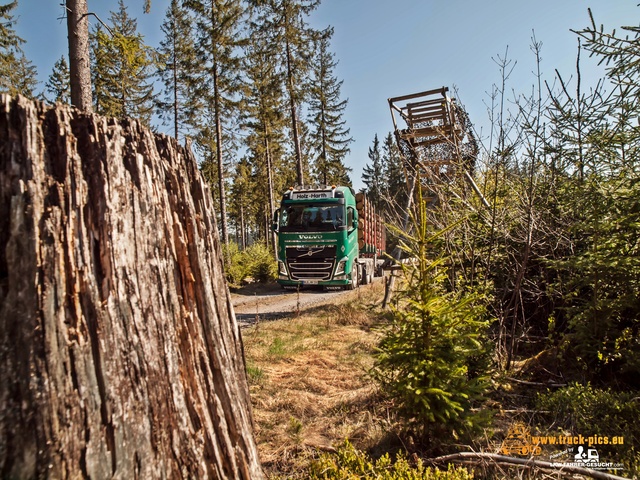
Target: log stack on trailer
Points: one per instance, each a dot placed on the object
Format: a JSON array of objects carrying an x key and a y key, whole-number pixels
[{"x": 371, "y": 229}]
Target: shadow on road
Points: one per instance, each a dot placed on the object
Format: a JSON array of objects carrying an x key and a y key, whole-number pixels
[{"x": 248, "y": 319}]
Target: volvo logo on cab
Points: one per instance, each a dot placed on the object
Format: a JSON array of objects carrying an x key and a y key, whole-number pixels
[{"x": 310, "y": 237}]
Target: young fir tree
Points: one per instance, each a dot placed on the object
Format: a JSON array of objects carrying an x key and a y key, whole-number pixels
[
  {"x": 432, "y": 359},
  {"x": 373, "y": 176},
  {"x": 178, "y": 70},
  {"x": 329, "y": 137},
  {"x": 17, "y": 74},
  {"x": 220, "y": 38},
  {"x": 57, "y": 86},
  {"x": 283, "y": 24},
  {"x": 122, "y": 69}
]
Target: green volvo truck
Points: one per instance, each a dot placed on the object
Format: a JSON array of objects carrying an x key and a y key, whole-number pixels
[{"x": 329, "y": 236}]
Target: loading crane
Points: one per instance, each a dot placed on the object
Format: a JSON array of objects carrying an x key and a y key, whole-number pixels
[{"x": 437, "y": 143}]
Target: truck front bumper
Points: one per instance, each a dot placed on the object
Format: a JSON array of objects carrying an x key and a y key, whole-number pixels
[{"x": 285, "y": 282}]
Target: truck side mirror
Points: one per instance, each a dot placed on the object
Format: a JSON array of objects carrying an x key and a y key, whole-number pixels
[{"x": 274, "y": 225}]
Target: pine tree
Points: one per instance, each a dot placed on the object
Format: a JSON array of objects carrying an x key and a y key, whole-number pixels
[
  {"x": 219, "y": 45},
  {"x": 122, "y": 69},
  {"x": 17, "y": 74},
  {"x": 373, "y": 176},
  {"x": 178, "y": 71},
  {"x": 329, "y": 137},
  {"x": 58, "y": 86},
  {"x": 284, "y": 25}
]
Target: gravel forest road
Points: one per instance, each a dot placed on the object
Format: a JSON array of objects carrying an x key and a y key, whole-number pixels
[{"x": 270, "y": 302}]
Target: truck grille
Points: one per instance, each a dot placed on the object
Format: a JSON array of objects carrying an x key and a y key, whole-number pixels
[{"x": 311, "y": 263}]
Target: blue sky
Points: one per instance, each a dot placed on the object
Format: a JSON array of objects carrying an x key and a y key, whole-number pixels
[{"x": 391, "y": 48}]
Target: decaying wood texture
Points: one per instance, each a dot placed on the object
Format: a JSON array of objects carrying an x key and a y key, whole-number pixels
[{"x": 120, "y": 355}]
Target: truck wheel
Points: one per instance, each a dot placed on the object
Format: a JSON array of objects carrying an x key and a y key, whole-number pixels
[{"x": 353, "y": 284}]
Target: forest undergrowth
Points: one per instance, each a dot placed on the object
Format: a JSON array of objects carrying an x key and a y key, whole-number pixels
[{"x": 320, "y": 413}]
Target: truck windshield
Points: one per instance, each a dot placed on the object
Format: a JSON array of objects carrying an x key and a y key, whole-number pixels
[{"x": 311, "y": 217}]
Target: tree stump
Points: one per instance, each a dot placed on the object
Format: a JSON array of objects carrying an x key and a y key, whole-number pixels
[{"x": 120, "y": 355}]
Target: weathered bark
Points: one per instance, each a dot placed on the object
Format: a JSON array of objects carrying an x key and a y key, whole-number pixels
[{"x": 120, "y": 355}]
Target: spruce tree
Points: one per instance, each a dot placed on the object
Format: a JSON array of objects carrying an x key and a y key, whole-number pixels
[
  {"x": 220, "y": 38},
  {"x": 178, "y": 70},
  {"x": 58, "y": 86},
  {"x": 264, "y": 120},
  {"x": 329, "y": 137},
  {"x": 122, "y": 69},
  {"x": 284, "y": 25},
  {"x": 598, "y": 276},
  {"x": 17, "y": 73},
  {"x": 395, "y": 186},
  {"x": 431, "y": 359},
  {"x": 373, "y": 175}
]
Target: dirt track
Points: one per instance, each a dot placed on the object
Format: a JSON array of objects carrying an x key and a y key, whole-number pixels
[{"x": 270, "y": 301}]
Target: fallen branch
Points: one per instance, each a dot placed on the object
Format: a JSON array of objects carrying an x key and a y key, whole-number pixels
[
  {"x": 529, "y": 463},
  {"x": 535, "y": 384}
]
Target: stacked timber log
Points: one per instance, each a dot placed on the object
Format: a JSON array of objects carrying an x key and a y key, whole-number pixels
[
  {"x": 371, "y": 230},
  {"x": 120, "y": 356}
]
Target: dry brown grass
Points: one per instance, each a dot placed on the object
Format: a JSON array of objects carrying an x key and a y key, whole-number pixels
[{"x": 309, "y": 383}]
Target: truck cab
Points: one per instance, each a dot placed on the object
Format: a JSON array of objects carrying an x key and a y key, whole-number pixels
[{"x": 317, "y": 231}]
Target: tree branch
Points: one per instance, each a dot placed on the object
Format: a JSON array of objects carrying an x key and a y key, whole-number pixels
[{"x": 479, "y": 457}]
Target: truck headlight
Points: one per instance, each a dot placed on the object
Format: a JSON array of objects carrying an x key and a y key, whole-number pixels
[
  {"x": 340, "y": 267},
  {"x": 282, "y": 269}
]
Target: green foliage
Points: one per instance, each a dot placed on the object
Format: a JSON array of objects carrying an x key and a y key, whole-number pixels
[
  {"x": 599, "y": 284},
  {"x": 428, "y": 357},
  {"x": 349, "y": 463},
  {"x": 262, "y": 265},
  {"x": 178, "y": 69},
  {"x": 255, "y": 374},
  {"x": 255, "y": 262},
  {"x": 57, "y": 85},
  {"x": 373, "y": 175},
  {"x": 283, "y": 25},
  {"x": 586, "y": 410},
  {"x": 329, "y": 136},
  {"x": 122, "y": 68},
  {"x": 17, "y": 74}
]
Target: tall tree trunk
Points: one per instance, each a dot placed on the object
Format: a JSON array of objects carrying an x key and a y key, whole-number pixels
[
  {"x": 221, "y": 183},
  {"x": 272, "y": 209},
  {"x": 120, "y": 355},
  {"x": 176, "y": 103},
  {"x": 79, "y": 64},
  {"x": 294, "y": 116},
  {"x": 243, "y": 228}
]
